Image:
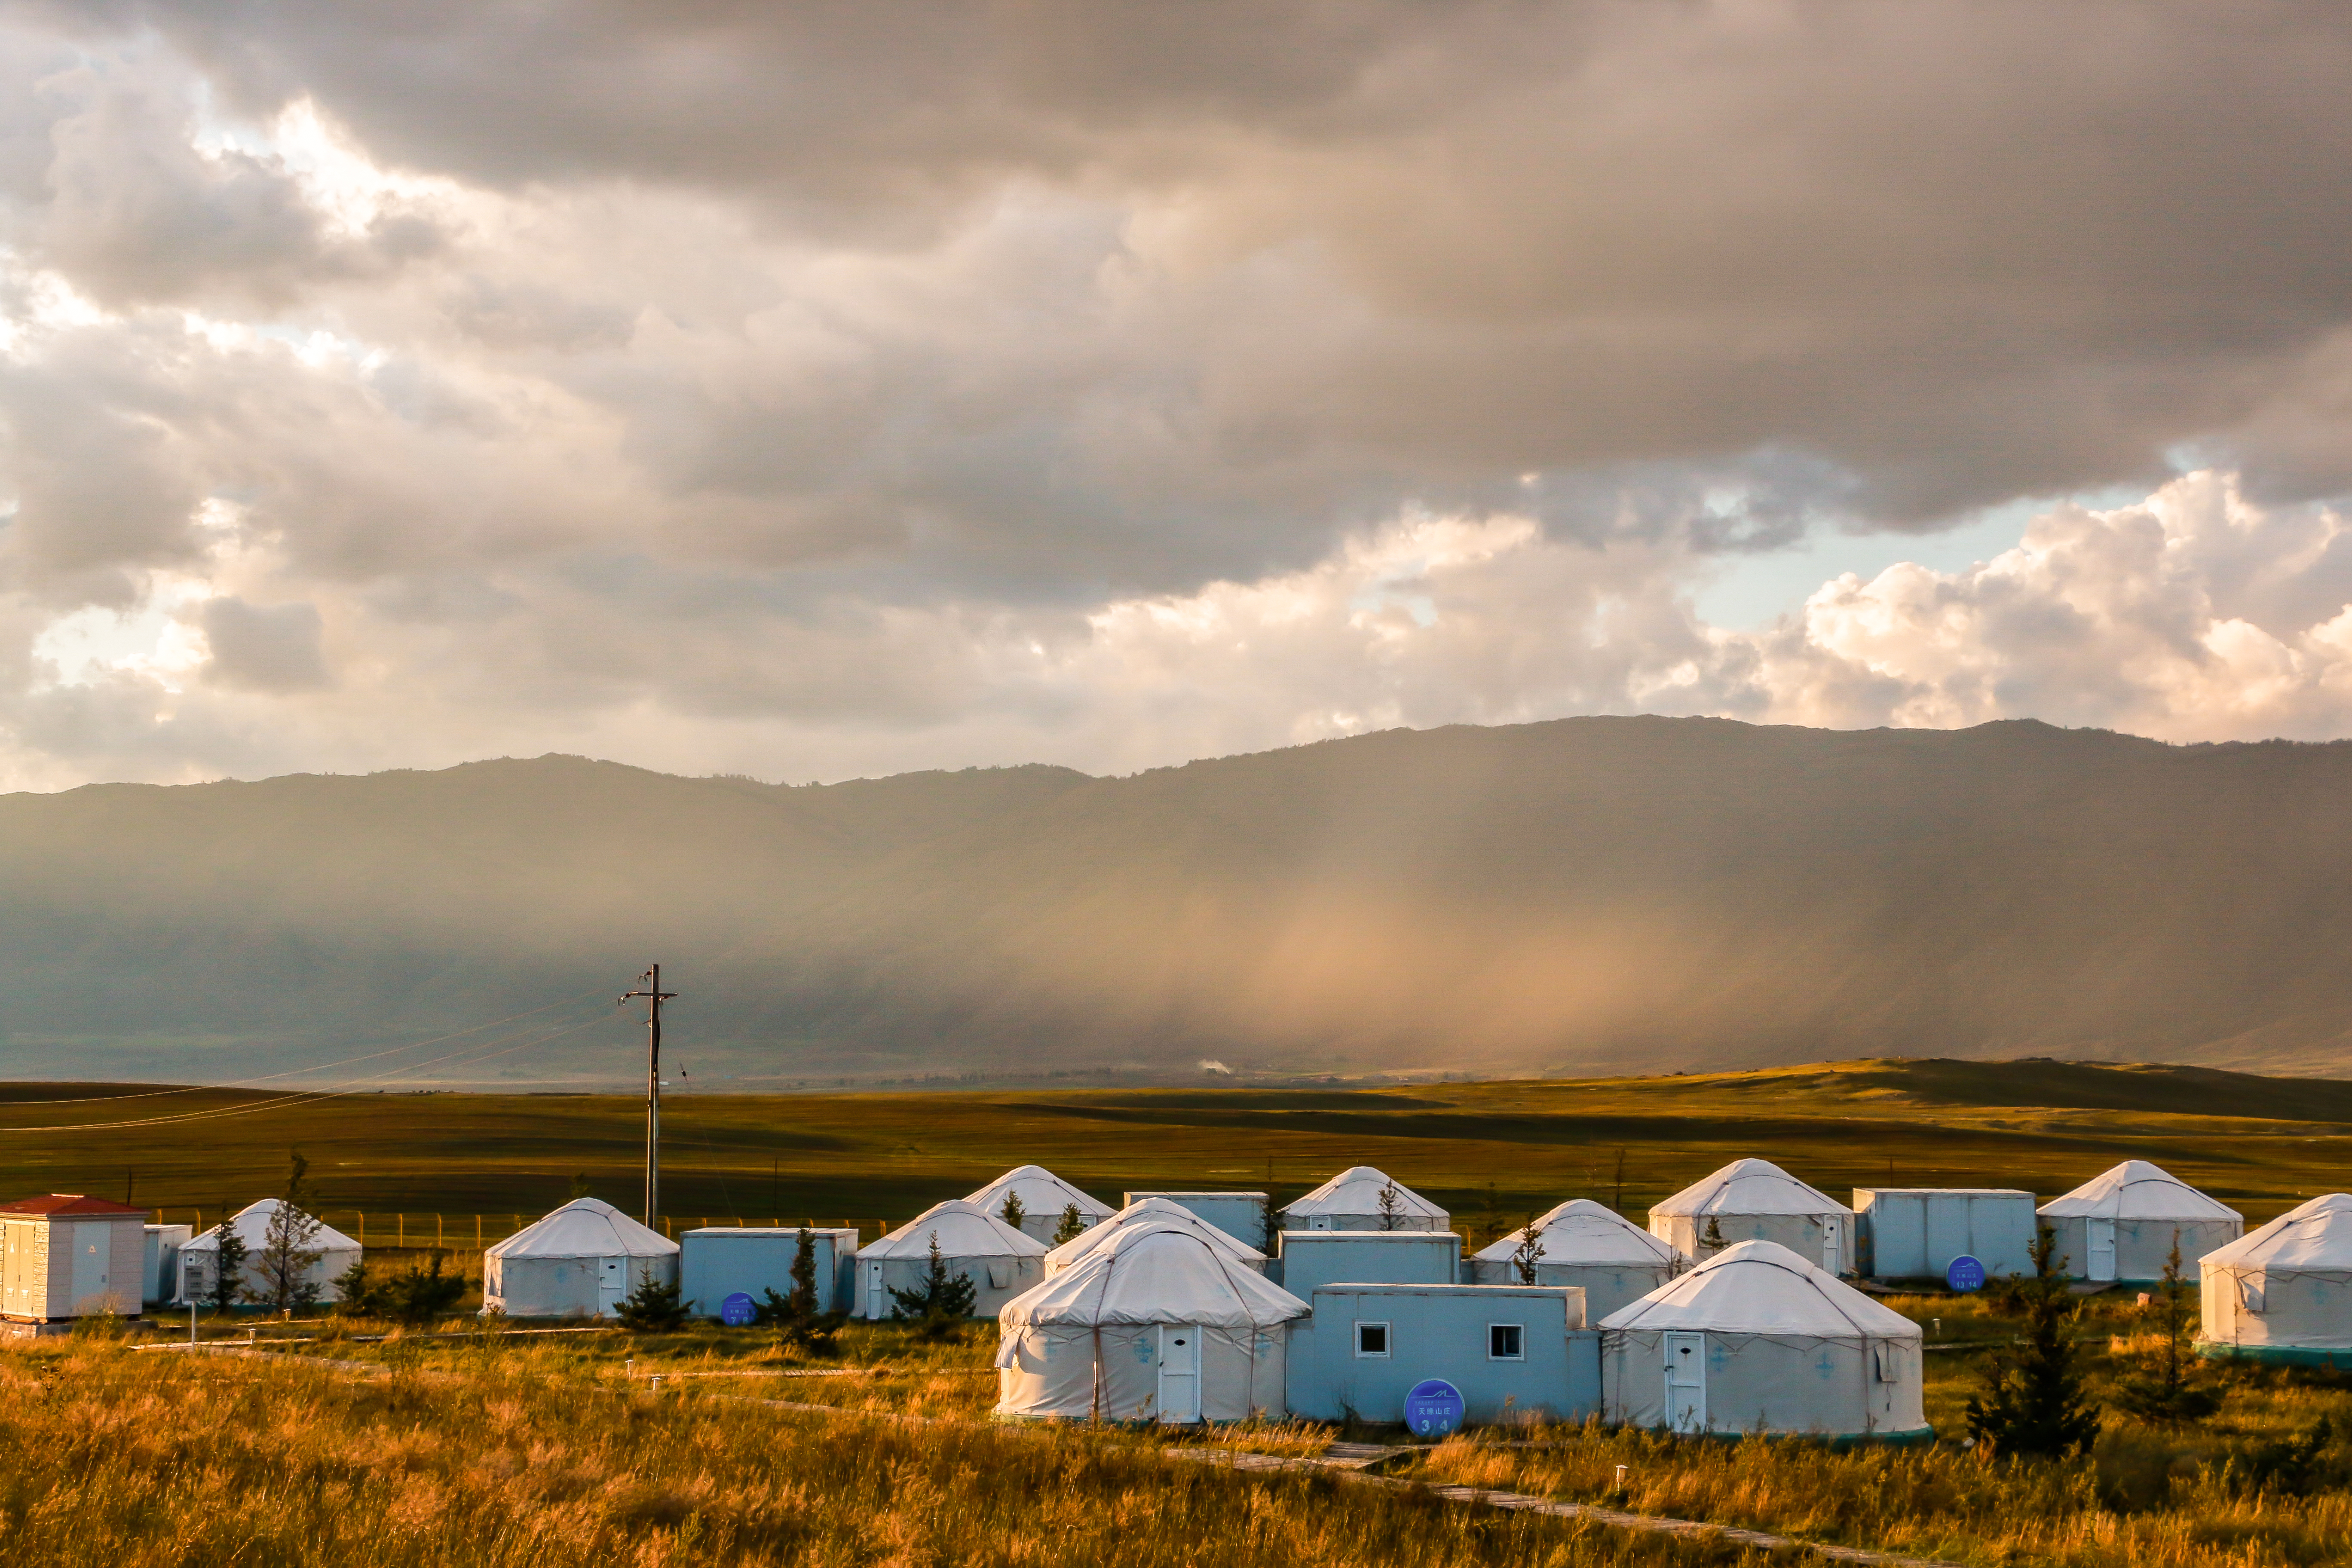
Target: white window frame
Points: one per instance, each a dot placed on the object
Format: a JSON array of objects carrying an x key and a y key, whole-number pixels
[
  {"x": 1387, "y": 1339},
  {"x": 1518, "y": 1329}
]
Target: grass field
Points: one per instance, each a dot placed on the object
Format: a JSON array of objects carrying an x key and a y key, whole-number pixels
[
  {"x": 1490, "y": 1151},
  {"x": 556, "y": 1450}
]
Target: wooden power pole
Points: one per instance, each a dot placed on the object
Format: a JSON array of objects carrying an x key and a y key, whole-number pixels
[{"x": 650, "y": 989}]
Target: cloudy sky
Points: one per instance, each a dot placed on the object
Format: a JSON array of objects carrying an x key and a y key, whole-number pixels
[{"x": 817, "y": 390}]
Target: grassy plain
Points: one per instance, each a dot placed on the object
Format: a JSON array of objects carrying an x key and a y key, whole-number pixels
[
  {"x": 502, "y": 1447},
  {"x": 1490, "y": 1152},
  {"x": 336, "y": 1447}
]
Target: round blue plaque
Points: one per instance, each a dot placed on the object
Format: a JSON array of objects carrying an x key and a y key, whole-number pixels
[
  {"x": 1965, "y": 1274},
  {"x": 1434, "y": 1408},
  {"x": 737, "y": 1310}
]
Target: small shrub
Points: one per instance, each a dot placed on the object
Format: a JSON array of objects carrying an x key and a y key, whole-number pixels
[
  {"x": 941, "y": 1296},
  {"x": 1073, "y": 1226},
  {"x": 653, "y": 1306}
]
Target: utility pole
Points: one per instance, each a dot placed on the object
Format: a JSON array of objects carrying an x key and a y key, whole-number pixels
[{"x": 650, "y": 982}]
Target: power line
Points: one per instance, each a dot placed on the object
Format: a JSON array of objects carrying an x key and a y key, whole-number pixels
[
  {"x": 296, "y": 1099},
  {"x": 297, "y": 1072}
]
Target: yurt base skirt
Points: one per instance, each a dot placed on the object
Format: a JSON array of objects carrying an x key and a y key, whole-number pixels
[{"x": 2282, "y": 1355}]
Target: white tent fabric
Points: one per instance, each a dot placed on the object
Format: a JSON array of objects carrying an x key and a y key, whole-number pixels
[
  {"x": 1351, "y": 1201},
  {"x": 1759, "y": 1338},
  {"x": 1587, "y": 1245},
  {"x": 1755, "y": 1200},
  {"x": 2122, "y": 1222},
  {"x": 200, "y": 1259},
  {"x": 1144, "y": 1210},
  {"x": 1095, "y": 1341},
  {"x": 1000, "y": 1261},
  {"x": 2287, "y": 1286},
  {"x": 580, "y": 1261},
  {"x": 1044, "y": 1196}
]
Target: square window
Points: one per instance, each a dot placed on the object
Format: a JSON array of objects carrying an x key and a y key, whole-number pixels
[
  {"x": 1372, "y": 1340},
  {"x": 1507, "y": 1341}
]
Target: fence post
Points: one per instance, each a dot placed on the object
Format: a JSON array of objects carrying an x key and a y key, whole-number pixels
[
  {"x": 436, "y": 1230},
  {"x": 401, "y": 1220},
  {"x": 477, "y": 1233},
  {"x": 362, "y": 1214}
]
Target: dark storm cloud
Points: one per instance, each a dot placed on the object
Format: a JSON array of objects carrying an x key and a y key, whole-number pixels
[{"x": 1967, "y": 250}]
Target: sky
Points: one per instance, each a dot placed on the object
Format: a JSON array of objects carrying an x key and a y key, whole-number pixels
[{"x": 824, "y": 390}]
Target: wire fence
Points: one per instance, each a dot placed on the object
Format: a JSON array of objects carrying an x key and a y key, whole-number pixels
[{"x": 412, "y": 1228}]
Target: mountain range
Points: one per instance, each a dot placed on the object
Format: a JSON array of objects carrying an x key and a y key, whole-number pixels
[{"x": 1587, "y": 895}]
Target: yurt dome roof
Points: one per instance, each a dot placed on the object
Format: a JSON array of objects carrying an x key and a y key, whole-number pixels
[
  {"x": 965, "y": 1230},
  {"x": 2138, "y": 1190},
  {"x": 1583, "y": 1231},
  {"x": 1762, "y": 1288},
  {"x": 1041, "y": 1193},
  {"x": 252, "y": 1222},
  {"x": 2315, "y": 1237},
  {"x": 1357, "y": 1190},
  {"x": 1145, "y": 1210},
  {"x": 585, "y": 1228},
  {"x": 1155, "y": 1272},
  {"x": 1750, "y": 1186}
]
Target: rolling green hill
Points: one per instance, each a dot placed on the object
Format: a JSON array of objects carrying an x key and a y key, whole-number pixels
[{"x": 1591, "y": 894}]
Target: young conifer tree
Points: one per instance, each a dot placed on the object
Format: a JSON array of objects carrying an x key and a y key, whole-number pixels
[
  {"x": 229, "y": 1268},
  {"x": 1529, "y": 1253},
  {"x": 1391, "y": 1208},
  {"x": 1012, "y": 1214},
  {"x": 2035, "y": 1403},
  {"x": 1073, "y": 1226},
  {"x": 802, "y": 1299},
  {"x": 1710, "y": 1241},
  {"x": 289, "y": 1257},
  {"x": 2167, "y": 1392}
]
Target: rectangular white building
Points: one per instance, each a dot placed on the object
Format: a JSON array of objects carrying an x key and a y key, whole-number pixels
[{"x": 65, "y": 1256}]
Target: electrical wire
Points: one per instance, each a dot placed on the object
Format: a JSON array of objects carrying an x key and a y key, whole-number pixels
[
  {"x": 474, "y": 1053},
  {"x": 315, "y": 1067}
]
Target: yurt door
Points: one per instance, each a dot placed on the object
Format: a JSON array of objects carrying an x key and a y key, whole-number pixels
[
  {"x": 2100, "y": 1236},
  {"x": 1833, "y": 1243},
  {"x": 612, "y": 1284},
  {"x": 1686, "y": 1382},
  {"x": 1180, "y": 1373},
  {"x": 874, "y": 1298}
]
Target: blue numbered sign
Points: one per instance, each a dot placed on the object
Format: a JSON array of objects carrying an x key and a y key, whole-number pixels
[
  {"x": 1434, "y": 1408},
  {"x": 1965, "y": 1274},
  {"x": 736, "y": 1310}
]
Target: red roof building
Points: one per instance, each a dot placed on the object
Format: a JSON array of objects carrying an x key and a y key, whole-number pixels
[{"x": 67, "y": 1255}]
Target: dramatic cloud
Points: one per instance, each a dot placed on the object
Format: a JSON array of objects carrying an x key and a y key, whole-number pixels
[{"x": 809, "y": 390}]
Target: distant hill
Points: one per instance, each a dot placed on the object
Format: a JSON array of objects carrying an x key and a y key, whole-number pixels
[{"x": 1591, "y": 894}]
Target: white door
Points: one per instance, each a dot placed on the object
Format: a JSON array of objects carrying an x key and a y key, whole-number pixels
[
  {"x": 2101, "y": 1235},
  {"x": 1833, "y": 1243},
  {"x": 612, "y": 1284},
  {"x": 90, "y": 1243},
  {"x": 1180, "y": 1373},
  {"x": 1686, "y": 1382},
  {"x": 874, "y": 1297}
]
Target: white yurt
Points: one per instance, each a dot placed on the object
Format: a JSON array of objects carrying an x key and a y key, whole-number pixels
[
  {"x": 1156, "y": 1324},
  {"x": 1044, "y": 1197},
  {"x": 1759, "y": 1338},
  {"x": 582, "y": 1261},
  {"x": 1000, "y": 1261},
  {"x": 1351, "y": 1201},
  {"x": 2284, "y": 1292},
  {"x": 200, "y": 1258},
  {"x": 1755, "y": 1200},
  {"x": 1147, "y": 1211},
  {"x": 1585, "y": 1243},
  {"x": 2122, "y": 1222}
]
